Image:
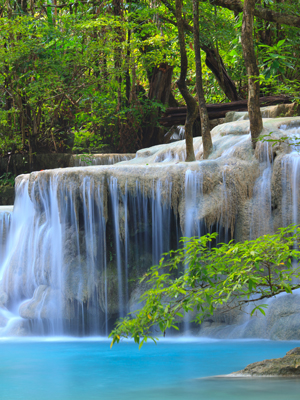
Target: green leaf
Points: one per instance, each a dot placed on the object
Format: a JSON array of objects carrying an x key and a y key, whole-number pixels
[
  {"x": 259, "y": 308},
  {"x": 287, "y": 287}
]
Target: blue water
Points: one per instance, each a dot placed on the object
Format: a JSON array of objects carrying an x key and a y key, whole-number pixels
[{"x": 89, "y": 370}]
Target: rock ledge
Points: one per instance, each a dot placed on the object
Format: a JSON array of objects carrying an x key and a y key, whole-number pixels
[{"x": 287, "y": 366}]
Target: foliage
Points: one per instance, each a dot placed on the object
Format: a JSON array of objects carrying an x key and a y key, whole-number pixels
[
  {"x": 7, "y": 179},
  {"x": 198, "y": 277},
  {"x": 291, "y": 140},
  {"x": 78, "y": 73},
  {"x": 276, "y": 59},
  {"x": 61, "y": 80}
]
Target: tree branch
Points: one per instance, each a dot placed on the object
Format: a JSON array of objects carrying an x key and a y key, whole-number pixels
[{"x": 260, "y": 12}]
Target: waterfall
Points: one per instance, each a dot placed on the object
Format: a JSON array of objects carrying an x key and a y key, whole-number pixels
[
  {"x": 5, "y": 220},
  {"x": 193, "y": 196},
  {"x": 64, "y": 272},
  {"x": 56, "y": 243},
  {"x": 291, "y": 181},
  {"x": 84, "y": 160},
  {"x": 79, "y": 239},
  {"x": 261, "y": 211}
]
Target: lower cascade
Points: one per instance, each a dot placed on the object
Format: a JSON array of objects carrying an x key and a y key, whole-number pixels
[{"x": 78, "y": 239}]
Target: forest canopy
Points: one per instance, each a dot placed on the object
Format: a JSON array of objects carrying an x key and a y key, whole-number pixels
[{"x": 81, "y": 75}]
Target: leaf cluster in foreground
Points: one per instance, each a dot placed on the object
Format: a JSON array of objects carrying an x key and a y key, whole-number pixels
[{"x": 204, "y": 278}]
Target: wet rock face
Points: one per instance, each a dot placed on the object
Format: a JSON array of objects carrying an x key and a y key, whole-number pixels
[
  {"x": 283, "y": 318},
  {"x": 112, "y": 295},
  {"x": 282, "y": 321},
  {"x": 287, "y": 366}
]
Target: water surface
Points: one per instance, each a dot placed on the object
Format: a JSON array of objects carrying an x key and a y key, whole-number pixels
[{"x": 89, "y": 370}]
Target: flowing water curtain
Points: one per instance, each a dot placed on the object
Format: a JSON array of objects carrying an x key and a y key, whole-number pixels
[
  {"x": 290, "y": 178},
  {"x": 85, "y": 264},
  {"x": 141, "y": 220},
  {"x": 95, "y": 248},
  {"x": 57, "y": 249},
  {"x": 119, "y": 223},
  {"x": 261, "y": 220},
  {"x": 5, "y": 221},
  {"x": 60, "y": 269},
  {"x": 193, "y": 197}
]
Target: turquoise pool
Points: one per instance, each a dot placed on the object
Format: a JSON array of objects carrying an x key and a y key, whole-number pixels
[{"x": 57, "y": 369}]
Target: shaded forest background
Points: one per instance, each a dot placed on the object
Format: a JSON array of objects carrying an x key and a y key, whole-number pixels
[{"x": 84, "y": 76}]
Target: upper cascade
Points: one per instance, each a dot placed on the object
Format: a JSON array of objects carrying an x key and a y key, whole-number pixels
[{"x": 79, "y": 238}]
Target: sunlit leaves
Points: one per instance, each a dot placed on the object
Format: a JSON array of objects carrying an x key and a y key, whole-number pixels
[
  {"x": 198, "y": 277},
  {"x": 64, "y": 65}
]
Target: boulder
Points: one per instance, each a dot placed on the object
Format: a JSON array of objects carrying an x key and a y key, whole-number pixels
[{"x": 287, "y": 366}]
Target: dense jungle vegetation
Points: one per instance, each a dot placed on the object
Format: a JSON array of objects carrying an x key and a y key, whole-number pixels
[{"x": 81, "y": 75}]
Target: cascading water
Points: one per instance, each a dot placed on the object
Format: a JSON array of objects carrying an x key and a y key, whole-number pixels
[
  {"x": 84, "y": 160},
  {"x": 79, "y": 239},
  {"x": 192, "y": 227},
  {"x": 51, "y": 272},
  {"x": 193, "y": 195},
  {"x": 64, "y": 272},
  {"x": 261, "y": 215},
  {"x": 291, "y": 181},
  {"x": 5, "y": 219}
]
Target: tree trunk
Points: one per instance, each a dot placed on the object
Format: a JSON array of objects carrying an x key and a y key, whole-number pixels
[
  {"x": 160, "y": 89},
  {"x": 192, "y": 107},
  {"x": 256, "y": 124},
  {"x": 22, "y": 4},
  {"x": 224, "y": 80},
  {"x": 212, "y": 61},
  {"x": 260, "y": 12},
  {"x": 160, "y": 85},
  {"x": 127, "y": 73},
  {"x": 177, "y": 115},
  {"x": 118, "y": 12},
  {"x": 205, "y": 128}
]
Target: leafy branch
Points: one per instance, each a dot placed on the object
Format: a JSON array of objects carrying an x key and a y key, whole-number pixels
[{"x": 199, "y": 278}]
